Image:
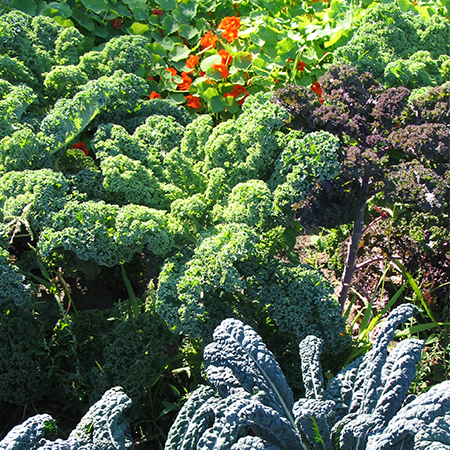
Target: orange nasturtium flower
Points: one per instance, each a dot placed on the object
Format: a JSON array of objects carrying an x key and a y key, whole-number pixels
[
  {"x": 193, "y": 102},
  {"x": 222, "y": 68},
  {"x": 154, "y": 95},
  {"x": 301, "y": 66},
  {"x": 237, "y": 91},
  {"x": 192, "y": 61},
  {"x": 318, "y": 90},
  {"x": 208, "y": 40},
  {"x": 187, "y": 81},
  {"x": 226, "y": 57},
  {"x": 229, "y": 23},
  {"x": 230, "y": 26}
]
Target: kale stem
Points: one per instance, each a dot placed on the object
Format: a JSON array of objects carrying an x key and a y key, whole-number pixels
[{"x": 353, "y": 246}]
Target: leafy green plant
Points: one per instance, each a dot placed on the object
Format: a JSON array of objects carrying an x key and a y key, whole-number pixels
[
  {"x": 398, "y": 48},
  {"x": 250, "y": 404},
  {"x": 102, "y": 426}
]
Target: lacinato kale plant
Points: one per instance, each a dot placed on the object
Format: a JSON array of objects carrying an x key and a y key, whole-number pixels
[
  {"x": 248, "y": 403},
  {"x": 102, "y": 427}
]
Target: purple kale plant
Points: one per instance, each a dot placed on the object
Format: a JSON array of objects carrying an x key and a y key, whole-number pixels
[{"x": 393, "y": 141}]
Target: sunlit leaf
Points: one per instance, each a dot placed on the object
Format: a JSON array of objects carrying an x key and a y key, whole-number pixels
[
  {"x": 209, "y": 61},
  {"x": 82, "y": 19},
  {"x": 27, "y": 6},
  {"x": 218, "y": 104},
  {"x": 139, "y": 28},
  {"x": 167, "y": 5},
  {"x": 242, "y": 60},
  {"x": 98, "y": 6},
  {"x": 185, "y": 12},
  {"x": 188, "y": 32},
  {"x": 61, "y": 9},
  {"x": 176, "y": 99},
  {"x": 169, "y": 25},
  {"x": 179, "y": 52},
  {"x": 141, "y": 13}
]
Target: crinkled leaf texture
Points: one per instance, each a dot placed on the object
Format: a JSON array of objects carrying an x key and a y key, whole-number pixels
[
  {"x": 423, "y": 423},
  {"x": 101, "y": 428},
  {"x": 251, "y": 406}
]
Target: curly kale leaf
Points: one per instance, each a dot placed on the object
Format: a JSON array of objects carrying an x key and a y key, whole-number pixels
[
  {"x": 299, "y": 300},
  {"x": 250, "y": 203},
  {"x": 134, "y": 357},
  {"x": 12, "y": 284},
  {"x": 69, "y": 118},
  {"x": 32, "y": 195},
  {"x": 247, "y": 147},
  {"x": 135, "y": 115},
  {"x": 418, "y": 186},
  {"x": 132, "y": 54},
  {"x": 23, "y": 362},
  {"x": 192, "y": 287},
  {"x": 398, "y": 47},
  {"x": 23, "y": 151},
  {"x": 195, "y": 138},
  {"x": 107, "y": 234},
  {"x": 126, "y": 181},
  {"x": 32, "y": 41},
  {"x": 303, "y": 162},
  {"x": 64, "y": 82},
  {"x": 14, "y": 100},
  {"x": 113, "y": 140},
  {"x": 419, "y": 70},
  {"x": 428, "y": 143}
]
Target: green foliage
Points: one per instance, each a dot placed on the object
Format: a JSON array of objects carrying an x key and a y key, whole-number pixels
[
  {"x": 300, "y": 301},
  {"x": 39, "y": 193},
  {"x": 102, "y": 427},
  {"x": 107, "y": 234},
  {"x": 102, "y": 349},
  {"x": 230, "y": 274},
  {"x": 250, "y": 203},
  {"x": 246, "y": 147},
  {"x": 13, "y": 102},
  {"x": 12, "y": 287},
  {"x": 303, "y": 162},
  {"x": 398, "y": 47},
  {"x": 23, "y": 353},
  {"x": 251, "y": 404},
  {"x": 69, "y": 118}
]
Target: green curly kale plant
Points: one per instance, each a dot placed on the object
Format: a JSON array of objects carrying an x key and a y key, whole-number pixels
[
  {"x": 231, "y": 274},
  {"x": 399, "y": 48},
  {"x": 250, "y": 404}
]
